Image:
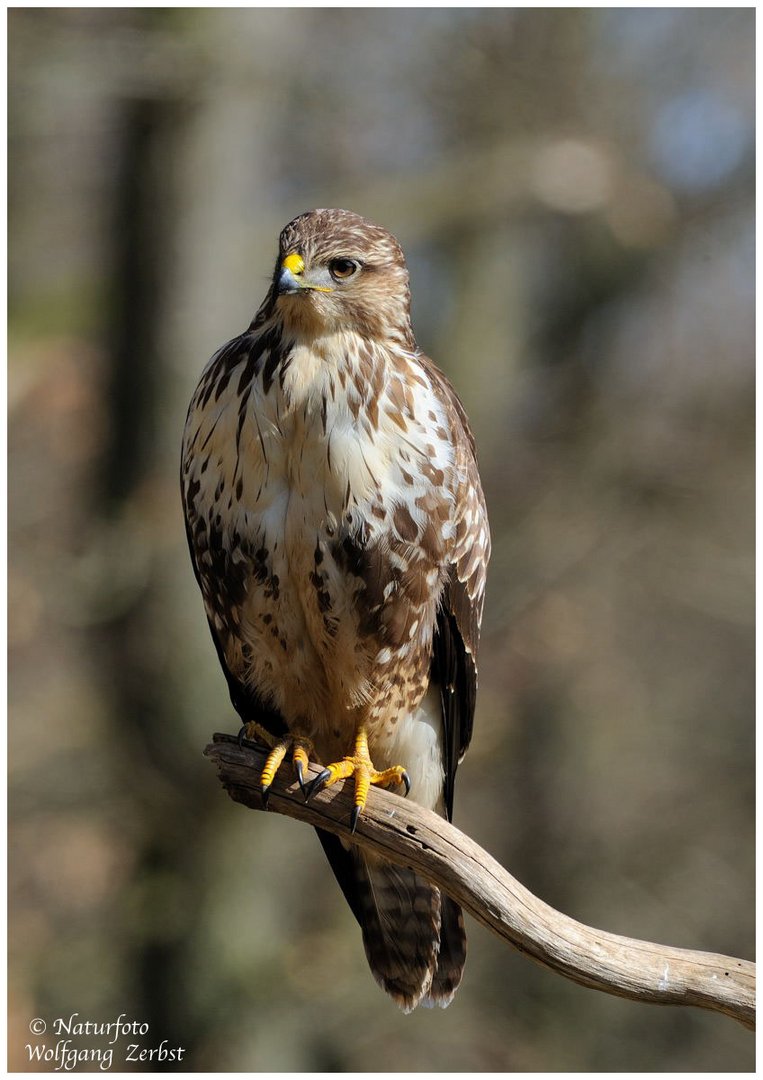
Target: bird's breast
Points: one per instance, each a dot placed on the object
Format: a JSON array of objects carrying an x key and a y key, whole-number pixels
[{"x": 336, "y": 516}]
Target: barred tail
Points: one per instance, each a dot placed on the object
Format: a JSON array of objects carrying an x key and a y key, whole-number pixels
[
  {"x": 400, "y": 919},
  {"x": 413, "y": 934},
  {"x": 452, "y": 955}
]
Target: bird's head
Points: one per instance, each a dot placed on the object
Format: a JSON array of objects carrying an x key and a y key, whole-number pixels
[{"x": 338, "y": 271}]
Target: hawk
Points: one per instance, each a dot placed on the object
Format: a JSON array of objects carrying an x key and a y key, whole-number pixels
[{"x": 339, "y": 535}]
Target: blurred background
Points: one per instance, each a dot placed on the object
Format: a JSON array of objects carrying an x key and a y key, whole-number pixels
[{"x": 574, "y": 191}]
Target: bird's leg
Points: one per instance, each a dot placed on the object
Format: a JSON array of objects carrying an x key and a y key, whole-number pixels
[
  {"x": 359, "y": 765},
  {"x": 300, "y": 748}
]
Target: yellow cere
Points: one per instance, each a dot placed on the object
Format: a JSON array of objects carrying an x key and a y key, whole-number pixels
[{"x": 294, "y": 263}]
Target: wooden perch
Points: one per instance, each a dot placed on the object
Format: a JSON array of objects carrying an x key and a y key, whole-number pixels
[{"x": 410, "y": 836}]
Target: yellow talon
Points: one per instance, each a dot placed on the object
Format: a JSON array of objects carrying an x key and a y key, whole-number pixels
[
  {"x": 273, "y": 764},
  {"x": 300, "y": 748},
  {"x": 300, "y": 756},
  {"x": 362, "y": 784},
  {"x": 359, "y": 765}
]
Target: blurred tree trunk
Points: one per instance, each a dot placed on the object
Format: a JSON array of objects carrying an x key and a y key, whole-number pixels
[{"x": 135, "y": 666}]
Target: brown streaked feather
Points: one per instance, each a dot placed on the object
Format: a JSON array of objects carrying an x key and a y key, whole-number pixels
[{"x": 247, "y": 702}]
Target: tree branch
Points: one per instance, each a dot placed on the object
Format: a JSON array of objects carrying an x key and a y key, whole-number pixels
[{"x": 410, "y": 836}]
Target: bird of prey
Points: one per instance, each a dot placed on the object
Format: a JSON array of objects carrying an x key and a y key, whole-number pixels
[{"x": 339, "y": 535}]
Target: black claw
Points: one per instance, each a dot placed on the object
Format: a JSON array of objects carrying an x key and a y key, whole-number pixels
[
  {"x": 301, "y": 778},
  {"x": 265, "y": 792},
  {"x": 316, "y": 784},
  {"x": 244, "y": 737},
  {"x": 407, "y": 781},
  {"x": 354, "y": 818}
]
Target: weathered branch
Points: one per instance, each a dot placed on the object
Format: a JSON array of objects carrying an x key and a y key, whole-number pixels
[{"x": 406, "y": 834}]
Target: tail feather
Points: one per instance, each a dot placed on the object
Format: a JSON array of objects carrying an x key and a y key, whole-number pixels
[
  {"x": 401, "y": 929},
  {"x": 451, "y": 957},
  {"x": 412, "y": 933}
]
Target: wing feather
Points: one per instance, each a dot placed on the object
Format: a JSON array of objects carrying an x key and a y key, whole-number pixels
[
  {"x": 246, "y": 700},
  {"x": 459, "y": 616}
]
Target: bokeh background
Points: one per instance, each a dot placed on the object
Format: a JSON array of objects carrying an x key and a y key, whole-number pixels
[{"x": 574, "y": 190}]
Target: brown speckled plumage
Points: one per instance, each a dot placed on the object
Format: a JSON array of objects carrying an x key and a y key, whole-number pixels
[{"x": 339, "y": 536}]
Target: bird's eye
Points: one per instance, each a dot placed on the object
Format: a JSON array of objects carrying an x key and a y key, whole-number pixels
[{"x": 343, "y": 269}]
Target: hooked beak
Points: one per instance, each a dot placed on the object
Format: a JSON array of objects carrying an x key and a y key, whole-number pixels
[
  {"x": 291, "y": 277},
  {"x": 291, "y": 269}
]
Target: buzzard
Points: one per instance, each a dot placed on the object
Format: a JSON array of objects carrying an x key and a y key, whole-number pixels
[{"x": 339, "y": 536}]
